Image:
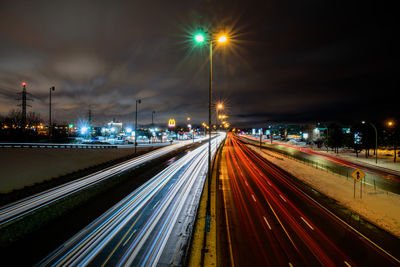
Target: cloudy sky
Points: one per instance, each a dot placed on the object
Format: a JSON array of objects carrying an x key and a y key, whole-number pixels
[{"x": 288, "y": 61}]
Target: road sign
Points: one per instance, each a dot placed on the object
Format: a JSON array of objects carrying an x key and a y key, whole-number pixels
[{"x": 358, "y": 175}]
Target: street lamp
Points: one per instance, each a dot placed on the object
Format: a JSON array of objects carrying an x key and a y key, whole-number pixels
[
  {"x": 200, "y": 38},
  {"x": 391, "y": 125},
  {"x": 376, "y": 141},
  {"x": 219, "y": 107},
  {"x": 138, "y": 101},
  {"x": 50, "y": 125}
]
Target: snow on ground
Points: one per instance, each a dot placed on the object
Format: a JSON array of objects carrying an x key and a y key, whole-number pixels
[
  {"x": 26, "y": 166},
  {"x": 378, "y": 207},
  {"x": 385, "y": 156}
]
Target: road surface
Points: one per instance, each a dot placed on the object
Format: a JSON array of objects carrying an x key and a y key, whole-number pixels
[{"x": 269, "y": 220}]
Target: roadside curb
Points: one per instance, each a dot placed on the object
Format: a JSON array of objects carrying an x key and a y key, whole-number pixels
[{"x": 203, "y": 251}]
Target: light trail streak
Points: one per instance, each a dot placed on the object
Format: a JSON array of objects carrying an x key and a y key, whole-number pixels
[
  {"x": 30, "y": 204},
  {"x": 386, "y": 174},
  {"x": 261, "y": 173},
  {"x": 160, "y": 206}
]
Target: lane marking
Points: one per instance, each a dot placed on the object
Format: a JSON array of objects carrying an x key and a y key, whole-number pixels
[
  {"x": 253, "y": 198},
  {"x": 119, "y": 243},
  {"x": 155, "y": 205},
  {"x": 134, "y": 231},
  {"x": 290, "y": 264},
  {"x": 347, "y": 264},
  {"x": 309, "y": 225},
  {"x": 265, "y": 219},
  {"x": 282, "y": 197},
  {"x": 283, "y": 227}
]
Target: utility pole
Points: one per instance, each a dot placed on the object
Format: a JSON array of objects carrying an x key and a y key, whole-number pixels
[
  {"x": 152, "y": 118},
  {"x": 137, "y": 101},
  {"x": 23, "y": 105},
  {"x": 50, "y": 124}
]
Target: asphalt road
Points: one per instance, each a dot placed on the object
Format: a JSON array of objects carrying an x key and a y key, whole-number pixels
[
  {"x": 149, "y": 227},
  {"x": 269, "y": 220},
  {"x": 383, "y": 179}
]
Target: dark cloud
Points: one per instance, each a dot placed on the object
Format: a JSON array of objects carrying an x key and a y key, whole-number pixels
[{"x": 290, "y": 60}]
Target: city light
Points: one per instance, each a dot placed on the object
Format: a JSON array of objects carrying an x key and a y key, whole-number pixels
[
  {"x": 128, "y": 130},
  {"x": 222, "y": 39},
  {"x": 83, "y": 130},
  {"x": 199, "y": 38},
  {"x": 23, "y": 83}
]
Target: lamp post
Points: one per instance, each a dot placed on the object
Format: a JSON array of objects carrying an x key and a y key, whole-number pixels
[
  {"x": 391, "y": 125},
  {"x": 219, "y": 107},
  {"x": 50, "y": 125},
  {"x": 376, "y": 141},
  {"x": 138, "y": 101},
  {"x": 200, "y": 38}
]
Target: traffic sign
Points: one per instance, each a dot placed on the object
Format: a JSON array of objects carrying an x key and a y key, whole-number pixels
[{"x": 358, "y": 175}]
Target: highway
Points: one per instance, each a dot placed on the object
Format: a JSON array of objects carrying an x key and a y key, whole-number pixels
[
  {"x": 270, "y": 220},
  {"x": 384, "y": 179},
  {"x": 30, "y": 204},
  {"x": 149, "y": 227}
]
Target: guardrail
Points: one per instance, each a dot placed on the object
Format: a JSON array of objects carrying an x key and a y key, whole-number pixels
[{"x": 35, "y": 145}]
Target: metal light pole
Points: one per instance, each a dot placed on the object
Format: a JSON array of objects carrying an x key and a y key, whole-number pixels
[
  {"x": 391, "y": 125},
  {"x": 200, "y": 38},
  {"x": 50, "y": 124},
  {"x": 137, "y": 101},
  {"x": 209, "y": 118},
  {"x": 152, "y": 118}
]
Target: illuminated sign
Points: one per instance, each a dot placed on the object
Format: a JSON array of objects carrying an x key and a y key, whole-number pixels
[
  {"x": 171, "y": 123},
  {"x": 357, "y": 138}
]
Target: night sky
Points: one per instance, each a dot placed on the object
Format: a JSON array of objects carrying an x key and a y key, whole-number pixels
[{"x": 288, "y": 61}]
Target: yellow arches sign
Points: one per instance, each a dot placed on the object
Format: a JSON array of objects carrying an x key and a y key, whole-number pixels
[{"x": 171, "y": 123}]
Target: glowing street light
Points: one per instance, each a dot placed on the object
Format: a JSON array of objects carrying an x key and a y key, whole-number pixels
[
  {"x": 84, "y": 129},
  {"x": 200, "y": 38},
  {"x": 222, "y": 39},
  {"x": 219, "y": 107}
]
